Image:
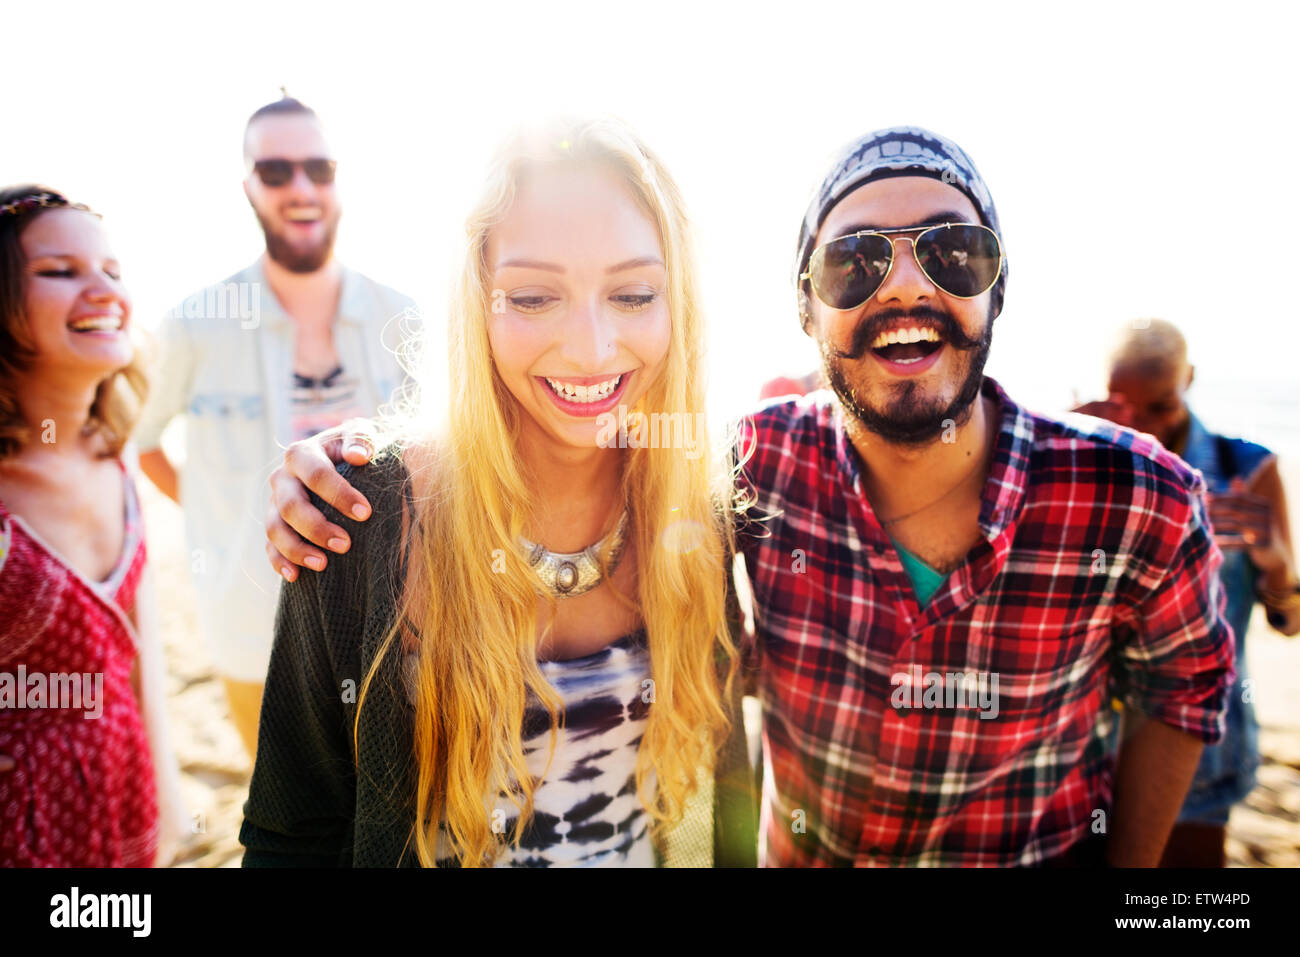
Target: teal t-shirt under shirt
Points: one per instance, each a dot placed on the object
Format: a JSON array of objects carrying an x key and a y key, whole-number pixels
[{"x": 925, "y": 580}]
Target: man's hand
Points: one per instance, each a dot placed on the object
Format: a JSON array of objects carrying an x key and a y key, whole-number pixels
[
  {"x": 309, "y": 465},
  {"x": 1116, "y": 408},
  {"x": 1252, "y": 514},
  {"x": 1242, "y": 519}
]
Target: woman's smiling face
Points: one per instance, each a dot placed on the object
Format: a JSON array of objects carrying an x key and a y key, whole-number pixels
[
  {"x": 579, "y": 322},
  {"x": 77, "y": 309}
]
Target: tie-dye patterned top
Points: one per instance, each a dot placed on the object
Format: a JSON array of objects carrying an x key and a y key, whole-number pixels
[{"x": 585, "y": 812}]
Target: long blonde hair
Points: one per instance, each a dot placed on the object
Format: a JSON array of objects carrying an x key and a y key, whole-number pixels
[{"x": 475, "y": 627}]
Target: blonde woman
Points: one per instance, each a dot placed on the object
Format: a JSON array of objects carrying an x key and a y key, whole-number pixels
[{"x": 526, "y": 657}]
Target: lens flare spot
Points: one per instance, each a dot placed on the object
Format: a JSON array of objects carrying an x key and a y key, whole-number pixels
[{"x": 682, "y": 536}]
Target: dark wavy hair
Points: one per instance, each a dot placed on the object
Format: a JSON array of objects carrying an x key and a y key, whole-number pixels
[{"x": 119, "y": 398}]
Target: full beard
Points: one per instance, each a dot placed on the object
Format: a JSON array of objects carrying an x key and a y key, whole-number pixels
[
  {"x": 910, "y": 418},
  {"x": 282, "y": 251}
]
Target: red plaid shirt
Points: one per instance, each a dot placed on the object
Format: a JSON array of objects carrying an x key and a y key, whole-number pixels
[{"x": 1097, "y": 576}]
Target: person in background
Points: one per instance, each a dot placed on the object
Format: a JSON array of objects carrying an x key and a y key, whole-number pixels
[
  {"x": 87, "y": 778},
  {"x": 796, "y": 385},
  {"x": 1148, "y": 380},
  {"x": 293, "y": 343}
]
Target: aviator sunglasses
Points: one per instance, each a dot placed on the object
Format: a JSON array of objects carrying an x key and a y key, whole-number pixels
[
  {"x": 962, "y": 259},
  {"x": 278, "y": 172}
]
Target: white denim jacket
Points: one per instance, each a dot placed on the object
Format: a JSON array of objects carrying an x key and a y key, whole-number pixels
[{"x": 226, "y": 362}]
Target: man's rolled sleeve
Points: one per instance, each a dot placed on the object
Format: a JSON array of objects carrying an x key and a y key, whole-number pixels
[{"x": 1177, "y": 665}]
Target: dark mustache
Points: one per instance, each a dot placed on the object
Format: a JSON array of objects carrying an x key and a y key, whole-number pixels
[{"x": 869, "y": 329}]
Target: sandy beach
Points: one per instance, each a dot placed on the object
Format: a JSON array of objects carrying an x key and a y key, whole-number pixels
[{"x": 1264, "y": 830}]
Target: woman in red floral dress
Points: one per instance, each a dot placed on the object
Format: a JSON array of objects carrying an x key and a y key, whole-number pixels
[{"x": 79, "y": 755}]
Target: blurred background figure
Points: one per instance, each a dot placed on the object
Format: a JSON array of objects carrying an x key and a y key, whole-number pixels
[
  {"x": 87, "y": 774},
  {"x": 292, "y": 344},
  {"x": 797, "y": 385},
  {"x": 1149, "y": 375}
]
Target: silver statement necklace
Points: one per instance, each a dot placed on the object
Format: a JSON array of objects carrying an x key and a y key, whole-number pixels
[{"x": 567, "y": 574}]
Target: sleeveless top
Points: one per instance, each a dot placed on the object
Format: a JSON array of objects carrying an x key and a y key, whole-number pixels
[
  {"x": 586, "y": 812},
  {"x": 82, "y": 791}
]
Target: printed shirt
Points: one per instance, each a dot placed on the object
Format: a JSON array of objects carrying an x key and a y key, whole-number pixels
[
  {"x": 586, "y": 812},
  {"x": 1096, "y": 575},
  {"x": 320, "y": 404}
]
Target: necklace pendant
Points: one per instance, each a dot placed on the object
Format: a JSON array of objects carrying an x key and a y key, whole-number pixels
[{"x": 566, "y": 576}]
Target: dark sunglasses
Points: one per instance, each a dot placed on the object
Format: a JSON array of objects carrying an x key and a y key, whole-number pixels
[
  {"x": 278, "y": 172},
  {"x": 962, "y": 259}
]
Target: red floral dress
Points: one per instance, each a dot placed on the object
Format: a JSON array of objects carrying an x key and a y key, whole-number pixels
[{"x": 82, "y": 791}]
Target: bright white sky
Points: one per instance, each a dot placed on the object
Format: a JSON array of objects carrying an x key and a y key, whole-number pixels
[{"x": 1144, "y": 157}]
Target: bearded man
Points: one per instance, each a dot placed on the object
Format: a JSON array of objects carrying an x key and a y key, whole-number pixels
[{"x": 293, "y": 344}]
